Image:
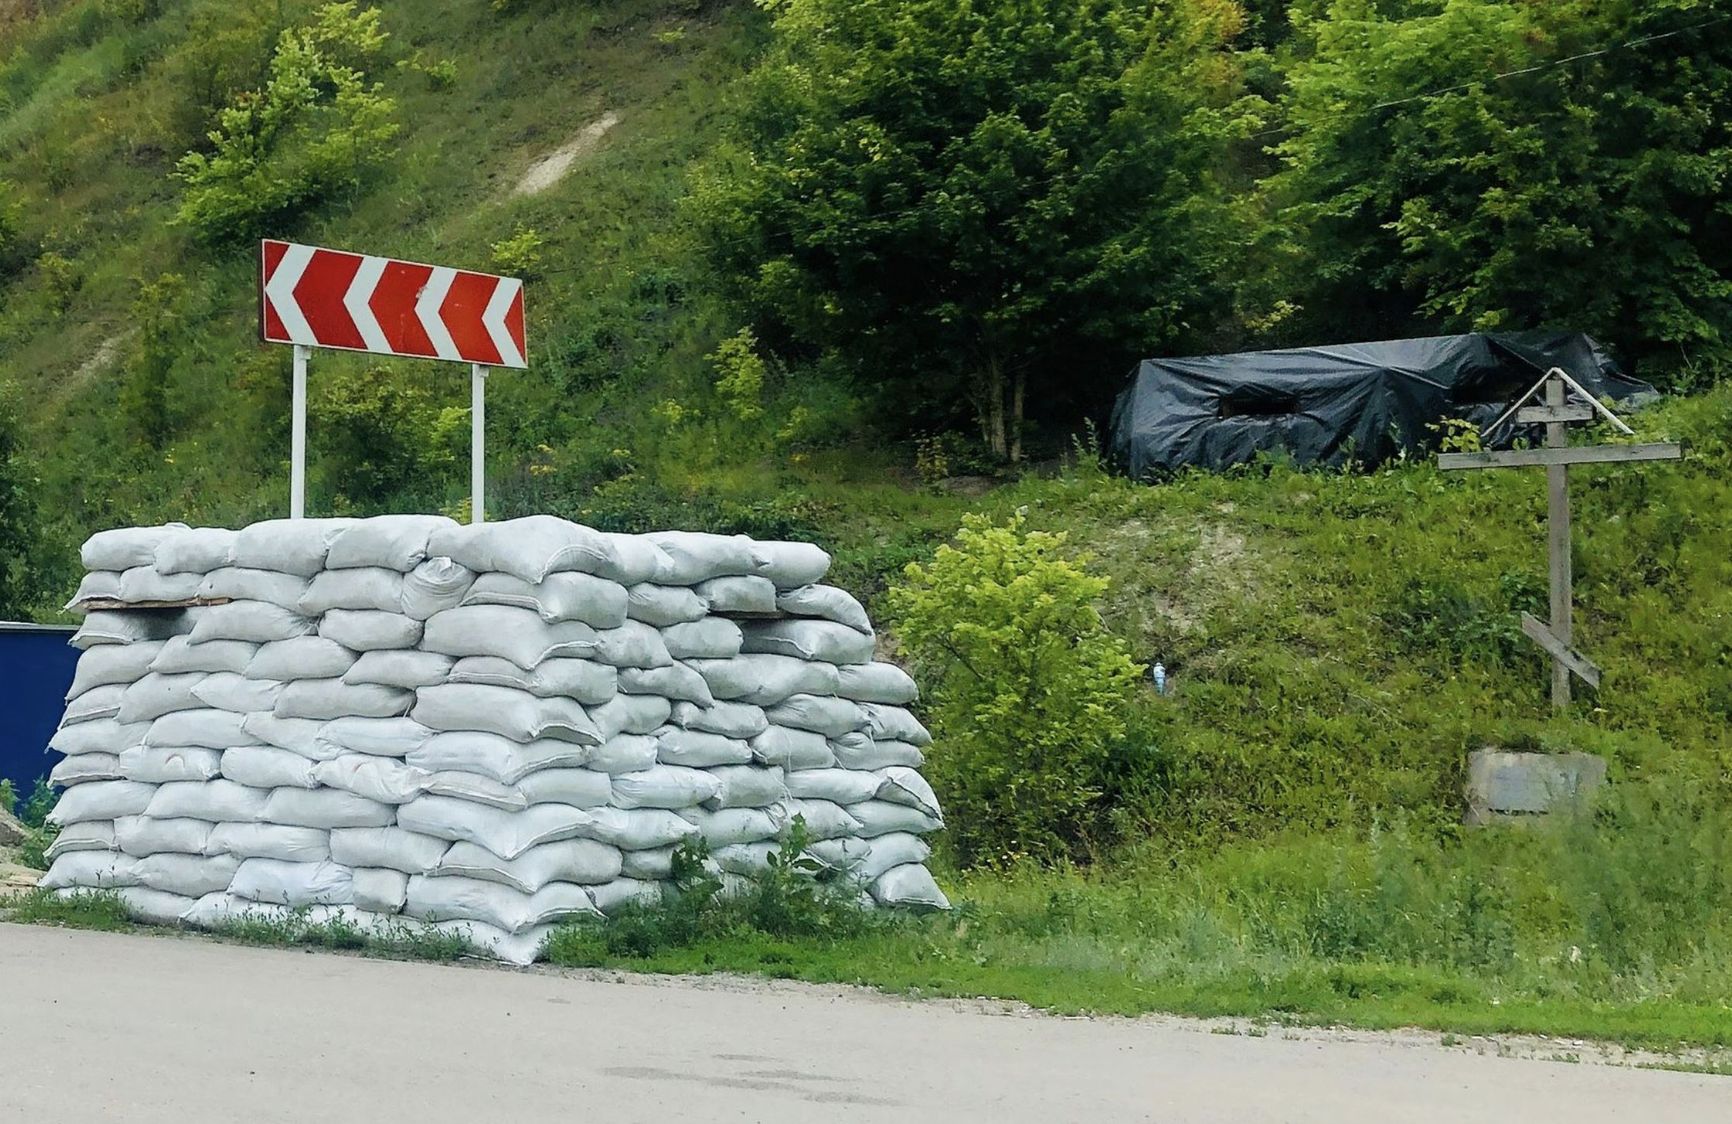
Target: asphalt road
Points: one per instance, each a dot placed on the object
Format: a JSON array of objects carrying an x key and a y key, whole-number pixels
[{"x": 144, "y": 1029}]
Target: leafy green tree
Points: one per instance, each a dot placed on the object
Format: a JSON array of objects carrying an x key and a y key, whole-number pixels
[
  {"x": 978, "y": 201},
  {"x": 1029, "y": 692},
  {"x": 315, "y": 129},
  {"x": 1587, "y": 189}
]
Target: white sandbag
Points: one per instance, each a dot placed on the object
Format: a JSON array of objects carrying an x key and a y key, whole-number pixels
[
  {"x": 325, "y": 808},
  {"x": 104, "y": 735},
  {"x": 223, "y": 909},
  {"x": 479, "y": 790},
  {"x": 905, "y": 786},
  {"x": 652, "y": 865},
  {"x": 369, "y": 630},
  {"x": 664, "y": 786},
  {"x": 844, "y": 786},
  {"x": 196, "y": 550},
  {"x": 824, "y": 819},
  {"x": 766, "y": 679},
  {"x": 560, "y": 597},
  {"x": 452, "y": 898},
  {"x": 212, "y": 729},
  {"x": 747, "y": 786},
  {"x": 125, "y": 547},
  {"x": 167, "y": 764},
  {"x": 635, "y": 559},
  {"x": 891, "y": 850},
  {"x": 676, "y": 681},
  {"x": 108, "y": 665},
  {"x": 383, "y": 779},
  {"x": 518, "y": 949},
  {"x": 729, "y": 719},
  {"x": 146, "y": 584},
  {"x": 894, "y": 724},
  {"x": 98, "y": 703},
  {"x": 713, "y": 638},
  {"x": 98, "y": 585},
  {"x": 637, "y": 829},
  {"x": 292, "y": 546},
  {"x": 746, "y": 597},
  {"x": 827, "y": 603},
  {"x": 518, "y": 635},
  {"x": 631, "y": 714},
  {"x": 154, "y": 907},
  {"x": 257, "y": 621},
  {"x": 298, "y": 735},
  {"x": 578, "y": 861},
  {"x": 857, "y": 751},
  {"x": 180, "y": 655},
  {"x": 190, "y": 876},
  {"x": 809, "y": 640},
  {"x": 746, "y": 859},
  {"x": 517, "y": 715},
  {"x": 529, "y": 548},
  {"x": 909, "y": 886},
  {"x": 584, "y": 680},
  {"x": 217, "y": 801},
  {"x": 843, "y": 854},
  {"x": 791, "y": 565},
  {"x": 155, "y": 695},
  {"x": 371, "y": 588},
  {"x": 506, "y": 834},
  {"x": 695, "y": 556},
  {"x": 880, "y": 817},
  {"x": 792, "y": 749},
  {"x": 332, "y": 698},
  {"x": 876, "y": 683},
  {"x": 632, "y": 644},
  {"x": 265, "y": 766},
  {"x": 226, "y": 690},
  {"x": 101, "y": 800},
  {"x": 499, "y": 758},
  {"x": 434, "y": 586},
  {"x": 663, "y": 605},
  {"x": 611, "y": 897},
  {"x": 270, "y": 841},
  {"x": 90, "y": 870},
  {"x": 831, "y": 717},
  {"x": 92, "y": 835},
  {"x": 85, "y": 768},
  {"x": 623, "y": 753},
  {"x": 580, "y": 788},
  {"x": 275, "y": 882},
  {"x": 698, "y": 749},
  {"x": 737, "y": 825},
  {"x": 381, "y": 737},
  {"x": 378, "y": 889},
  {"x": 269, "y": 586},
  {"x": 396, "y": 542},
  {"x": 391, "y": 848},
  {"x": 400, "y": 669},
  {"x": 125, "y": 626},
  {"x": 147, "y": 835}
]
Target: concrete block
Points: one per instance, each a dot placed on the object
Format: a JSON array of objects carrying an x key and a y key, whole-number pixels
[{"x": 1501, "y": 784}]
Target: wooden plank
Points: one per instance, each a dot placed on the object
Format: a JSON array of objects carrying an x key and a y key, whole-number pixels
[
  {"x": 1535, "y": 415},
  {"x": 1583, "y": 454},
  {"x": 107, "y": 604},
  {"x": 1558, "y": 539},
  {"x": 1537, "y": 631}
]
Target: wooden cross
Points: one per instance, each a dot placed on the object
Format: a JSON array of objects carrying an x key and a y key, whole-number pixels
[{"x": 1557, "y": 414}]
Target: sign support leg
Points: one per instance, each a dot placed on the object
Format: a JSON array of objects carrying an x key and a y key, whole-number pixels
[
  {"x": 298, "y": 438},
  {"x": 477, "y": 443},
  {"x": 1558, "y": 541}
]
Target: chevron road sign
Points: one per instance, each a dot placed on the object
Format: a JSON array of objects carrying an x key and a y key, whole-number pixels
[{"x": 313, "y": 297}]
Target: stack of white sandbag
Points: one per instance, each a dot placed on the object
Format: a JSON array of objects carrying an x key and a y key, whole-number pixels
[{"x": 484, "y": 728}]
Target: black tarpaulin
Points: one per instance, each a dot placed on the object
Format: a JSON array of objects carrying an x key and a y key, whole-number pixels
[{"x": 1325, "y": 405}]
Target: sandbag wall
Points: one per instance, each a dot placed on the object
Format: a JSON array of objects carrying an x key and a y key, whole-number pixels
[{"x": 405, "y": 720}]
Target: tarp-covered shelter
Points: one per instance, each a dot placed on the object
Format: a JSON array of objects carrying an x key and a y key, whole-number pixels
[{"x": 1325, "y": 405}]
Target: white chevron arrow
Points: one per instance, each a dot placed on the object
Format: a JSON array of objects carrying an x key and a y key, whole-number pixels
[
  {"x": 360, "y": 311},
  {"x": 427, "y": 311},
  {"x": 280, "y": 291},
  {"x": 494, "y": 321}
]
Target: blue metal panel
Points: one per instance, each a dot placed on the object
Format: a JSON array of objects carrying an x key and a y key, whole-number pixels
[{"x": 36, "y": 665}]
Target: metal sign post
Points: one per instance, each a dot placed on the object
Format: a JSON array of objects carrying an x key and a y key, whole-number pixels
[
  {"x": 311, "y": 297},
  {"x": 1557, "y": 414}
]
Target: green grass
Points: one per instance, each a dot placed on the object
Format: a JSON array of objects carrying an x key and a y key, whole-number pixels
[{"x": 96, "y": 910}]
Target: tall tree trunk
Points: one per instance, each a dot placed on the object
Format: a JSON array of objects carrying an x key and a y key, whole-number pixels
[
  {"x": 995, "y": 407},
  {"x": 1018, "y": 392}
]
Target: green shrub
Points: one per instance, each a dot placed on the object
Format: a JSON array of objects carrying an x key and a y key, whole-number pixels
[
  {"x": 1029, "y": 691},
  {"x": 520, "y": 254}
]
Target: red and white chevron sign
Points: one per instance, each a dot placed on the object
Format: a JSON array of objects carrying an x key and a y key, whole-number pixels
[{"x": 330, "y": 298}]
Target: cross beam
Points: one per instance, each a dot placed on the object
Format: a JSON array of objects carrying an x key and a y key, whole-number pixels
[{"x": 1556, "y": 457}]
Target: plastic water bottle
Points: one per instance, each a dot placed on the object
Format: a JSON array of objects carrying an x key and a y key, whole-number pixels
[{"x": 1159, "y": 674}]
